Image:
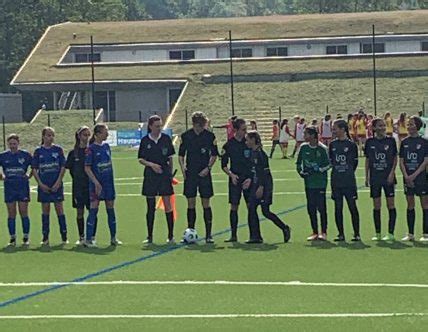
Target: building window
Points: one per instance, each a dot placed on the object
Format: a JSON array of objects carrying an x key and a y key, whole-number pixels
[
  {"x": 367, "y": 48},
  {"x": 424, "y": 46},
  {"x": 86, "y": 57},
  {"x": 242, "y": 53},
  {"x": 277, "y": 51},
  {"x": 337, "y": 49},
  {"x": 182, "y": 55}
]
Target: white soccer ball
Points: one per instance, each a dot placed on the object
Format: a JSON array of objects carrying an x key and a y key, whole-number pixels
[{"x": 190, "y": 235}]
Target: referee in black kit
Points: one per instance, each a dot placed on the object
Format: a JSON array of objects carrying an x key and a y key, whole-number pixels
[
  {"x": 236, "y": 151},
  {"x": 197, "y": 154},
  {"x": 155, "y": 152}
]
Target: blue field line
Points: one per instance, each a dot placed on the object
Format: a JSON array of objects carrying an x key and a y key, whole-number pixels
[{"x": 122, "y": 265}]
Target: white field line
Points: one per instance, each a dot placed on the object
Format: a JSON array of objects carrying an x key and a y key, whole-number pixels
[
  {"x": 213, "y": 282},
  {"x": 220, "y": 316}
]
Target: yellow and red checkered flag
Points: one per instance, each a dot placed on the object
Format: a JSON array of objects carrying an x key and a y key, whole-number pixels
[{"x": 161, "y": 205}]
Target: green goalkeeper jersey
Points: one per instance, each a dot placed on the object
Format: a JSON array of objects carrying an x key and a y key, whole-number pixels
[{"x": 313, "y": 164}]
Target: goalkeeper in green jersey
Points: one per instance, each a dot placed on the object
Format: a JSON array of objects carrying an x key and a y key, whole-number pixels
[{"x": 312, "y": 165}]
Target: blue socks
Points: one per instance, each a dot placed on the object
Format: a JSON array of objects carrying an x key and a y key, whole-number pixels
[
  {"x": 45, "y": 226},
  {"x": 111, "y": 218},
  {"x": 11, "y": 226},
  {"x": 90, "y": 223},
  {"x": 25, "y": 225}
]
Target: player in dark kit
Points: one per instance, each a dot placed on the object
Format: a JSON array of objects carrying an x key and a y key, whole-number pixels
[
  {"x": 155, "y": 152},
  {"x": 80, "y": 185},
  {"x": 15, "y": 164},
  {"x": 261, "y": 190},
  {"x": 99, "y": 167},
  {"x": 48, "y": 169},
  {"x": 236, "y": 151},
  {"x": 381, "y": 161},
  {"x": 343, "y": 154},
  {"x": 413, "y": 163},
  {"x": 197, "y": 154}
]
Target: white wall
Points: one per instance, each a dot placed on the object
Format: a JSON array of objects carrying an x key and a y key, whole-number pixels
[
  {"x": 301, "y": 50},
  {"x": 403, "y": 46},
  {"x": 206, "y": 53},
  {"x": 149, "y": 100}
]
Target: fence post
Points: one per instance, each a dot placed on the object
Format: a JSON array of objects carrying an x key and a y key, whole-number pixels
[
  {"x": 423, "y": 108},
  {"x": 326, "y": 110},
  {"x": 187, "y": 125},
  {"x": 140, "y": 117},
  {"x": 49, "y": 120},
  {"x": 4, "y": 132},
  {"x": 280, "y": 113}
]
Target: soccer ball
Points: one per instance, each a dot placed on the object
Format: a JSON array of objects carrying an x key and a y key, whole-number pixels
[{"x": 190, "y": 235}]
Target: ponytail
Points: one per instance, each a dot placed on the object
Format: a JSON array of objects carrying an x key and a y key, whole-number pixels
[
  {"x": 97, "y": 129},
  {"x": 342, "y": 124}
]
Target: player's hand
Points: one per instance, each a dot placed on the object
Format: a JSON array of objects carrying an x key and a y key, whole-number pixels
[
  {"x": 44, "y": 188},
  {"x": 234, "y": 178},
  {"x": 409, "y": 181},
  {"x": 259, "y": 192},
  {"x": 246, "y": 184},
  {"x": 303, "y": 174},
  {"x": 56, "y": 186},
  {"x": 204, "y": 172},
  {"x": 391, "y": 178},
  {"x": 156, "y": 168},
  {"x": 98, "y": 189}
]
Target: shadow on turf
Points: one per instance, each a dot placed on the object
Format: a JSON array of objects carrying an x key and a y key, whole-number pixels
[
  {"x": 330, "y": 245},
  {"x": 393, "y": 245},
  {"x": 254, "y": 246}
]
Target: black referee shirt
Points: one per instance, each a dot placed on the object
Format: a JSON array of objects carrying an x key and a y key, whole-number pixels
[
  {"x": 197, "y": 149},
  {"x": 156, "y": 152},
  {"x": 76, "y": 165},
  {"x": 239, "y": 155},
  {"x": 344, "y": 161}
]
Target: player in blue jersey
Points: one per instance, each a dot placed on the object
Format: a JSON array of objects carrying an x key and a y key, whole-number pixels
[
  {"x": 98, "y": 166},
  {"x": 15, "y": 164},
  {"x": 80, "y": 185},
  {"x": 413, "y": 164},
  {"x": 48, "y": 169}
]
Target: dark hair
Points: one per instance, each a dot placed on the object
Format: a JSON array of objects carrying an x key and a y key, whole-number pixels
[
  {"x": 253, "y": 122},
  {"x": 233, "y": 118},
  {"x": 254, "y": 134},
  {"x": 275, "y": 121},
  {"x": 237, "y": 123},
  {"x": 375, "y": 121},
  {"x": 342, "y": 124},
  {"x": 44, "y": 131},
  {"x": 152, "y": 120},
  {"x": 284, "y": 122},
  {"x": 13, "y": 136},
  {"x": 77, "y": 140},
  {"x": 418, "y": 121},
  {"x": 402, "y": 117},
  {"x": 312, "y": 130},
  {"x": 199, "y": 118},
  {"x": 327, "y": 117},
  {"x": 97, "y": 129}
]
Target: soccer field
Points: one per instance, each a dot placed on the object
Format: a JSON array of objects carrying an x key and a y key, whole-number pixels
[{"x": 298, "y": 286}]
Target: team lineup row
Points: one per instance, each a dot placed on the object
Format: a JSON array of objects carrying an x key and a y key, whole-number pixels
[{"x": 242, "y": 159}]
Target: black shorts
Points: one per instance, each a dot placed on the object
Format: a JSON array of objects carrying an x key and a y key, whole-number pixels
[
  {"x": 347, "y": 192},
  {"x": 235, "y": 193},
  {"x": 80, "y": 197},
  {"x": 194, "y": 182},
  {"x": 420, "y": 189},
  {"x": 157, "y": 185},
  {"x": 267, "y": 198},
  {"x": 376, "y": 190}
]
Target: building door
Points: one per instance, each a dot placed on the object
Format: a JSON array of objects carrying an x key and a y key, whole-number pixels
[
  {"x": 173, "y": 95},
  {"x": 107, "y": 101}
]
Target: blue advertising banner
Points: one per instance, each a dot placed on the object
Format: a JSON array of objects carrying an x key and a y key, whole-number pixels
[{"x": 133, "y": 137}]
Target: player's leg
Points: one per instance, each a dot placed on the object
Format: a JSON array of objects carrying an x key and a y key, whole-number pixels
[
  {"x": 390, "y": 203},
  {"x": 411, "y": 215},
  {"x": 375, "y": 194},
  {"x": 46, "y": 209},
  {"x": 169, "y": 215},
  {"x": 111, "y": 220},
  {"x": 150, "y": 217},
  {"x": 80, "y": 219},
  {"x": 208, "y": 219},
  {"x": 424, "y": 204},
  {"x": 338, "y": 213},
  {"x": 190, "y": 191},
  {"x": 267, "y": 213},
  {"x": 253, "y": 220},
  {"x": 234, "y": 199},
  {"x": 90, "y": 222},
  {"x": 322, "y": 209},
  {"x": 312, "y": 212},
  {"x": 351, "y": 199},
  {"x": 11, "y": 222},
  {"x": 25, "y": 220},
  {"x": 61, "y": 221}
]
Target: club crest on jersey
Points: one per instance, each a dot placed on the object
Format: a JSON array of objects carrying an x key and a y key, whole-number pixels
[
  {"x": 418, "y": 146},
  {"x": 149, "y": 146},
  {"x": 55, "y": 155},
  {"x": 203, "y": 150},
  {"x": 21, "y": 161},
  {"x": 164, "y": 151},
  {"x": 346, "y": 149},
  {"x": 386, "y": 147},
  {"x": 247, "y": 153}
]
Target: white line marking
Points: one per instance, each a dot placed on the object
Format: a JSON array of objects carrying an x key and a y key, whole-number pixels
[
  {"x": 221, "y": 316},
  {"x": 212, "y": 282}
]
